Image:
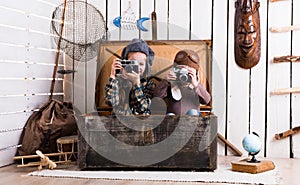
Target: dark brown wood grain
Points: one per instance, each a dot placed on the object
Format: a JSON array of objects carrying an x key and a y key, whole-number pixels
[
  {"x": 189, "y": 157},
  {"x": 247, "y": 39}
]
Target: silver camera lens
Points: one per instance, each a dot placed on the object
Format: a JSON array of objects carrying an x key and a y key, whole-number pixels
[
  {"x": 184, "y": 77},
  {"x": 182, "y": 74},
  {"x": 128, "y": 68}
]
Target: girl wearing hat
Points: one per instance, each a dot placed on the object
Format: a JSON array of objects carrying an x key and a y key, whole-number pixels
[
  {"x": 181, "y": 89},
  {"x": 131, "y": 92}
]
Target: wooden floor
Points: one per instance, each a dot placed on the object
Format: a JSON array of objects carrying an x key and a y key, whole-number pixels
[{"x": 289, "y": 169}]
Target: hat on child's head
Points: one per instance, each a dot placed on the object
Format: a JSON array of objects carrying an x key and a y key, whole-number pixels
[
  {"x": 187, "y": 57},
  {"x": 139, "y": 45}
]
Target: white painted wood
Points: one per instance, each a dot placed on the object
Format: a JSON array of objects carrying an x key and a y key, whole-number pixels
[
  {"x": 14, "y": 104},
  {"x": 278, "y": 77},
  {"x": 44, "y": 9},
  {"x": 113, "y": 11},
  {"x": 147, "y": 8},
  {"x": 179, "y": 20},
  {"x": 13, "y": 121},
  {"x": 162, "y": 20},
  {"x": 12, "y": 14},
  {"x": 43, "y": 86},
  {"x": 91, "y": 71},
  {"x": 21, "y": 70},
  {"x": 43, "y": 56},
  {"x": 24, "y": 103},
  {"x": 22, "y": 54},
  {"x": 6, "y": 156},
  {"x": 238, "y": 92},
  {"x": 68, "y": 79},
  {"x": 84, "y": 86},
  {"x": 13, "y": 87},
  {"x": 39, "y": 22},
  {"x": 40, "y": 36},
  {"x": 13, "y": 138},
  {"x": 201, "y": 19},
  {"x": 35, "y": 102},
  {"x": 18, "y": 54},
  {"x": 219, "y": 67},
  {"x": 42, "y": 71},
  {"x": 16, "y": 70},
  {"x": 80, "y": 95},
  {"x": 18, "y": 4},
  {"x": 258, "y": 83},
  {"x": 18, "y": 87},
  {"x": 296, "y": 81},
  {"x": 128, "y": 34},
  {"x": 20, "y": 36},
  {"x": 7, "y": 146}
]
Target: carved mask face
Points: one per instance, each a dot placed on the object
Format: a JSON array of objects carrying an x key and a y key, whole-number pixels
[
  {"x": 246, "y": 37},
  {"x": 247, "y": 33}
]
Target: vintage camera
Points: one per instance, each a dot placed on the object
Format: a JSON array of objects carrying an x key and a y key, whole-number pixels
[
  {"x": 182, "y": 74},
  {"x": 129, "y": 66}
]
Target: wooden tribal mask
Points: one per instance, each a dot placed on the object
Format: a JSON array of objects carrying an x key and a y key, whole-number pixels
[{"x": 247, "y": 40}]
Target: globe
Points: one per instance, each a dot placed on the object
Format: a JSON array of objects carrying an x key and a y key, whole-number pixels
[
  {"x": 193, "y": 112},
  {"x": 252, "y": 144}
]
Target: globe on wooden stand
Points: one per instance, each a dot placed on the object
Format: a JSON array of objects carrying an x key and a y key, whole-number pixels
[{"x": 252, "y": 144}]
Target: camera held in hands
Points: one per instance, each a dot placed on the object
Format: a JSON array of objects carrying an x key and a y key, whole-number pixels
[
  {"x": 182, "y": 74},
  {"x": 129, "y": 66}
]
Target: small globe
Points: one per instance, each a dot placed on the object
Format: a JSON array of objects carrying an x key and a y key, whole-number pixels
[
  {"x": 252, "y": 143},
  {"x": 193, "y": 112}
]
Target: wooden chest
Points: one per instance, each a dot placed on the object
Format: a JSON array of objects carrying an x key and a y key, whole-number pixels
[{"x": 155, "y": 143}]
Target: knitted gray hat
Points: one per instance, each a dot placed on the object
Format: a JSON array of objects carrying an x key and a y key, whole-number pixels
[{"x": 139, "y": 45}]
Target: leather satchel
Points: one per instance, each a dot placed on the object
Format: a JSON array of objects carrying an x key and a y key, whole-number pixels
[{"x": 54, "y": 119}]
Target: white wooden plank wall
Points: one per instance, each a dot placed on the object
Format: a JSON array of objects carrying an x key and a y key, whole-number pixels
[
  {"x": 219, "y": 78},
  {"x": 278, "y": 115},
  {"x": 238, "y": 90},
  {"x": 26, "y": 65},
  {"x": 295, "y": 80},
  {"x": 257, "y": 91},
  {"x": 241, "y": 98}
]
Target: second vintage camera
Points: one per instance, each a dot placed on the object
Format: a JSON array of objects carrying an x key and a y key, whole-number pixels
[
  {"x": 182, "y": 74},
  {"x": 129, "y": 66}
]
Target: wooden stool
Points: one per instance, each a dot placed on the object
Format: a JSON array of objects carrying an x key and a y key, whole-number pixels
[{"x": 67, "y": 140}]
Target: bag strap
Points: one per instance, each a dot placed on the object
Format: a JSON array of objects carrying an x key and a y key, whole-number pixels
[{"x": 58, "y": 51}]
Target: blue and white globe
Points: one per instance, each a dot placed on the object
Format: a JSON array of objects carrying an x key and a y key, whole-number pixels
[
  {"x": 193, "y": 112},
  {"x": 252, "y": 143}
]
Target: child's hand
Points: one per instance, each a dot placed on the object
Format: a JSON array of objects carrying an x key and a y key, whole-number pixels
[
  {"x": 171, "y": 76},
  {"x": 133, "y": 77},
  {"x": 115, "y": 65},
  {"x": 193, "y": 75}
]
